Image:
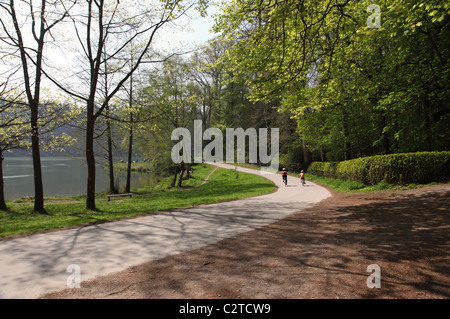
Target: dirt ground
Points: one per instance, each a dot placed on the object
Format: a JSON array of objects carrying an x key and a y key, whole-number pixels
[{"x": 322, "y": 252}]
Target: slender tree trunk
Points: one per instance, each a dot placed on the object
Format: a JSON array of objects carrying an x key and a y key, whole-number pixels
[
  {"x": 38, "y": 185},
  {"x": 2, "y": 193},
  {"x": 306, "y": 154},
  {"x": 180, "y": 179},
  {"x": 130, "y": 153},
  {"x": 90, "y": 161},
  {"x": 130, "y": 142},
  {"x": 112, "y": 186},
  {"x": 345, "y": 133},
  {"x": 188, "y": 171},
  {"x": 174, "y": 178}
]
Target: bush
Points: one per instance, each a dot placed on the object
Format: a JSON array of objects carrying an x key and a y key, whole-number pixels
[
  {"x": 324, "y": 169},
  {"x": 398, "y": 169}
]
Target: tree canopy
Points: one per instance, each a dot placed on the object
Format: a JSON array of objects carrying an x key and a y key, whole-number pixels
[{"x": 354, "y": 88}]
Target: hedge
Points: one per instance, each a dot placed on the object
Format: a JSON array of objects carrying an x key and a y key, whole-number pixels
[{"x": 397, "y": 169}]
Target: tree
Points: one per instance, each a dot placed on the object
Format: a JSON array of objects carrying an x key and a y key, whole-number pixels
[
  {"x": 105, "y": 31},
  {"x": 275, "y": 43},
  {"x": 354, "y": 89},
  {"x": 170, "y": 99},
  {"x": 131, "y": 111},
  {"x": 30, "y": 48},
  {"x": 209, "y": 76},
  {"x": 380, "y": 94},
  {"x": 15, "y": 128}
]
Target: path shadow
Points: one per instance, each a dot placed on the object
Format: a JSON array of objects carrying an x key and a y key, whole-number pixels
[
  {"x": 324, "y": 252},
  {"x": 320, "y": 252}
]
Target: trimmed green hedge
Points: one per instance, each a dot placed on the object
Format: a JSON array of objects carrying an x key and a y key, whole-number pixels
[{"x": 398, "y": 169}]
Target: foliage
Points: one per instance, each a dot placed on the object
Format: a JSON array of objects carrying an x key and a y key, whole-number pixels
[
  {"x": 354, "y": 90},
  {"x": 169, "y": 101},
  {"x": 399, "y": 169},
  {"x": 14, "y": 126}
]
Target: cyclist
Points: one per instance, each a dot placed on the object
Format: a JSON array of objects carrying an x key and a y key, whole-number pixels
[
  {"x": 284, "y": 176},
  {"x": 302, "y": 177}
]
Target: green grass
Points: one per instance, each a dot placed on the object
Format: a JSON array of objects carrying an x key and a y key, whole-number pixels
[
  {"x": 353, "y": 187},
  {"x": 201, "y": 171},
  {"x": 346, "y": 185},
  {"x": 221, "y": 186},
  {"x": 141, "y": 167}
]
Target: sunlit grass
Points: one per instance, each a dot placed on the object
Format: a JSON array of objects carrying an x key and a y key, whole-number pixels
[
  {"x": 348, "y": 186},
  {"x": 200, "y": 173}
]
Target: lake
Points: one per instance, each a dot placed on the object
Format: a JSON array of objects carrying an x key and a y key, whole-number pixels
[{"x": 62, "y": 177}]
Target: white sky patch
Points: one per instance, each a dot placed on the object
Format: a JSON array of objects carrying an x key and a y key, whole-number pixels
[{"x": 188, "y": 32}]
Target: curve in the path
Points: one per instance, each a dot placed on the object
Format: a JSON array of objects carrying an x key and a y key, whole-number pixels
[{"x": 35, "y": 265}]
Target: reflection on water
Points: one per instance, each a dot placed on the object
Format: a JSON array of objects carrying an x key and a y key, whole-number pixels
[
  {"x": 17, "y": 176},
  {"x": 61, "y": 177}
]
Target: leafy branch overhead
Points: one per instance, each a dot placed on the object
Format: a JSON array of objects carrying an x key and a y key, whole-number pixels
[{"x": 353, "y": 88}]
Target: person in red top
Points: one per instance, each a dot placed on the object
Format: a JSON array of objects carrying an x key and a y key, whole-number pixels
[
  {"x": 284, "y": 176},
  {"x": 302, "y": 177}
]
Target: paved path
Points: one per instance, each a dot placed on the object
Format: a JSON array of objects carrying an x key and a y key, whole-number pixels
[{"x": 31, "y": 266}]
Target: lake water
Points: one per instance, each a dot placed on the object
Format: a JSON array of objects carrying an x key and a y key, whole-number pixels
[{"x": 62, "y": 176}]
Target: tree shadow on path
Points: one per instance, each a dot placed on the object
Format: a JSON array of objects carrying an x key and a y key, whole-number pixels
[{"x": 320, "y": 252}]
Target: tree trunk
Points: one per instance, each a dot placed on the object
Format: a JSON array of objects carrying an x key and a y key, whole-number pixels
[
  {"x": 90, "y": 161},
  {"x": 306, "y": 154},
  {"x": 130, "y": 153},
  {"x": 38, "y": 186},
  {"x": 130, "y": 142},
  {"x": 2, "y": 193},
  {"x": 112, "y": 186},
  {"x": 188, "y": 171},
  {"x": 345, "y": 133},
  {"x": 180, "y": 179},
  {"x": 33, "y": 100},
  {"x": 174, "y": 178}
]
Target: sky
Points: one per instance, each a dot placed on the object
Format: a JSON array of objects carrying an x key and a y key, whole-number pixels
[{"x": 199, "y": 30}]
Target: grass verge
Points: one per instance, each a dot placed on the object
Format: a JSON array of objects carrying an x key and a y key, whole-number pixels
[
  {"x": 353, "y": 187},
  {"x": 348, "y": 186},
  {"x": 221, "y": 186}
]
